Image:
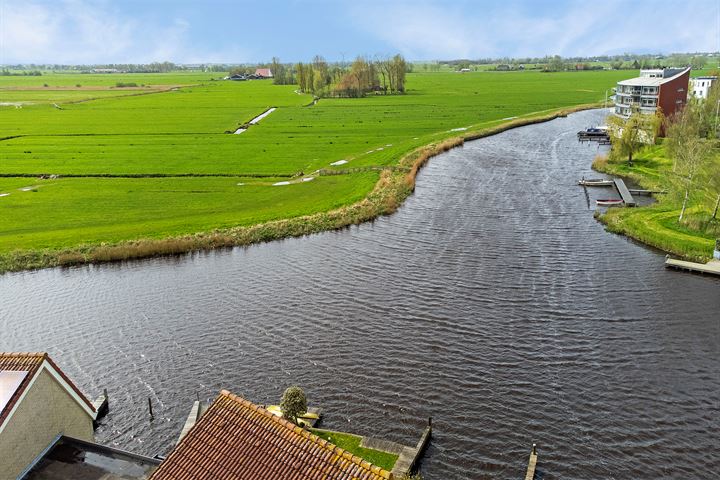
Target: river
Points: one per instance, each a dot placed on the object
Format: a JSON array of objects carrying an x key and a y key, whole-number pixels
[{"x": 491, "y": 301}]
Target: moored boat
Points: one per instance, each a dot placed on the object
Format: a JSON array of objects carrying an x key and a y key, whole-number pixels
[
  {"x": 609, "y": 202},
  {"x": 596, "y": 182}
]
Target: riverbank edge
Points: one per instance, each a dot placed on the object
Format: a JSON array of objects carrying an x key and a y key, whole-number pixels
[
  {"x": 391, "y": 189},
  {"x": 614, "y": 220}
]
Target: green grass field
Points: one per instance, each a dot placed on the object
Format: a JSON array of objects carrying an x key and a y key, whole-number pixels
[{"x": 98, "y": 147}]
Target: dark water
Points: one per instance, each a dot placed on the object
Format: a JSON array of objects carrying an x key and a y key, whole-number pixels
[{"x": 492, "y": 301}]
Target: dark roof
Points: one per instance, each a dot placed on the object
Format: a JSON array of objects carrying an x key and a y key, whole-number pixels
[
  {"x": 31, "y": 363},
  {"x": 239, "y": 440},
  {"x": 69, "y": 458}
]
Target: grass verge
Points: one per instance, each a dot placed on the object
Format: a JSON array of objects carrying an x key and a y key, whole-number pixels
[
  {"x": 657, "y": 225},
  {"x": 351, "y": 443}
]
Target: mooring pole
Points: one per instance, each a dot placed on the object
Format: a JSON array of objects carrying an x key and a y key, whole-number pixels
[{"x": 150, "y": 408}]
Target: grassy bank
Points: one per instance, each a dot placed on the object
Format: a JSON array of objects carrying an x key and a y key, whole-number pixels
[
  {"x": 657, "y": 225},
  {"x": 134, "y": 176},
  {"x": 351, "y": 443}
]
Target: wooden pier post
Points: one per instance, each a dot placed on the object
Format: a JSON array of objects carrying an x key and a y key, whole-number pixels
[
  {"x": 150, "y": 408},
  {"x": 532, "y": 463}
]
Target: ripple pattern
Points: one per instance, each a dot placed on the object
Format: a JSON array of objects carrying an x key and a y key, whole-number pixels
[{"x": 492, "y": 301}]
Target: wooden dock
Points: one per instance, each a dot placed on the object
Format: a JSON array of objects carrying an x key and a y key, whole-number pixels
[
  {"x": 624, "y": 193},
  {"x": 532, "y": 464},
  {"x": 408, "y": 457},
  {"x": 195, "y": 413},
  {"x": 101, "y": 406},
  {"x": 712, "y": 267}
]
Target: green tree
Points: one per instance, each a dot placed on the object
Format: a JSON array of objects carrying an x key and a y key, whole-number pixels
[
  {"x": 712, "y": 180},
  {"x": 555, "y": 64},
  {"x": 688, "y": 150},
  {"x": 627, "y": 136},
  {"x": 293, "y": 404}
]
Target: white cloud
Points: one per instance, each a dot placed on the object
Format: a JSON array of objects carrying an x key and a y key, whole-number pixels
[
  {"x": 434, "y": 30},
  {"x": 77, "y": 31}
]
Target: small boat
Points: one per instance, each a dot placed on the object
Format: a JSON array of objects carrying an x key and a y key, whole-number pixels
[
  {"x": 601, "y": 131},
  {"x": 596, "y": 182},
  {"x": 609, "y": 202}
]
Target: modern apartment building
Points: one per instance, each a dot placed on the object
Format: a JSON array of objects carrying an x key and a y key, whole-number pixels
[{"x": 664, "y": 88}]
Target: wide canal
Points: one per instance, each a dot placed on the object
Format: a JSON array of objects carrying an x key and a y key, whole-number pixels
[{"x": 492, "y": 301}]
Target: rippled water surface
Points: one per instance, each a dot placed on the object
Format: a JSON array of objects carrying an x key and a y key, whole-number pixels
[{"x": 492, "y": 301}]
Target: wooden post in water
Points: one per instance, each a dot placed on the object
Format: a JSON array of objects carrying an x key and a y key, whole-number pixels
[
  {"x": 150, "y": 408},
  {"x": 532, "y": 463}
]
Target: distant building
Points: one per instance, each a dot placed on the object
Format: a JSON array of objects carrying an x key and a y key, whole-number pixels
[
  {"x": 666, "y": 89},
  {"x": 464, "y": 70},
  {"x": 503, "y": 67},
  {"x": 263, "y": 73},
  {"x": 237, "y": 439},
  {"x": 38, "y": 402},
  {"x": 700, "y": 86}
]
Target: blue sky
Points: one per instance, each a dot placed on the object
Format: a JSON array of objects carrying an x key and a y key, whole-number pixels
[{"x": 184, "y": 31}]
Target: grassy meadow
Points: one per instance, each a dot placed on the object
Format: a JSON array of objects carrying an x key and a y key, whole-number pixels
[{"x": 158, "y": 160}]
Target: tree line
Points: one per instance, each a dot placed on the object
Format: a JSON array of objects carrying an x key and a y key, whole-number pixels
[{"x": 383, "y": 75}]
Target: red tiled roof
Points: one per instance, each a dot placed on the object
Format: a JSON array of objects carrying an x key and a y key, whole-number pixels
[
  {"x": 238, "y": 440},
  {"x": 30, "y": 362},
  {"x": 263, "y": 72}
]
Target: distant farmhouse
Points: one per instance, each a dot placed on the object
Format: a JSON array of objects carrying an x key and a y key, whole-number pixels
[
  {"x": 700, "y": 86},
  {"x": 665, "y": 88},
  {"x": 260, "y": 74}
]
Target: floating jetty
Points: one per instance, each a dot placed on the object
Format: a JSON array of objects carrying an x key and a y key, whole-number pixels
[
  {"x": 624, "y": 193},
  {"x": 712, "y": 267},
  {"x": 619, "y": 184}
]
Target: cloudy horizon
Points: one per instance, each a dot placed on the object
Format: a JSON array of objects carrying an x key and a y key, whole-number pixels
[{"x": 134, "y": 31}]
